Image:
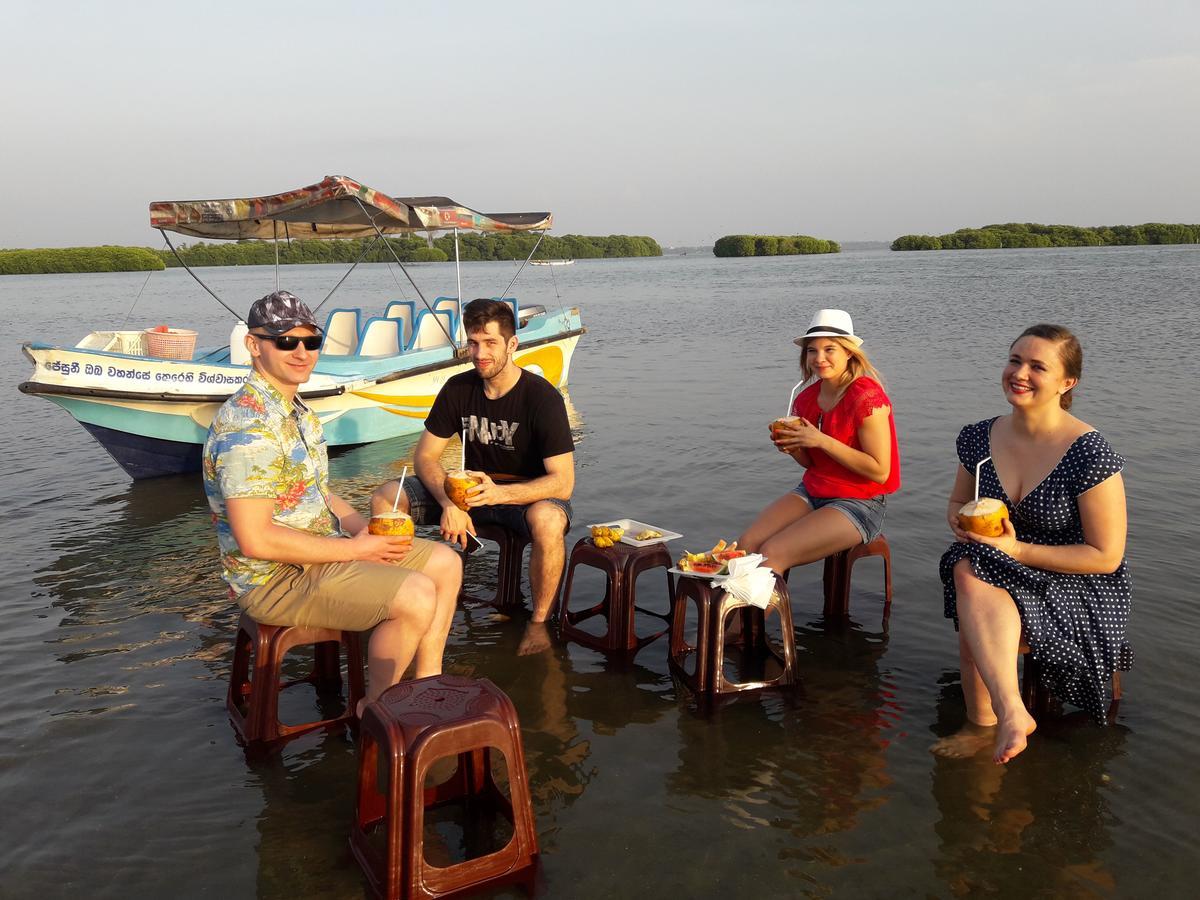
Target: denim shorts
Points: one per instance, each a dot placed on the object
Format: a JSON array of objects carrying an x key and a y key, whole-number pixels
[
  {"x": 426, "y": 511},
  {"x": 865, "y": 514}
]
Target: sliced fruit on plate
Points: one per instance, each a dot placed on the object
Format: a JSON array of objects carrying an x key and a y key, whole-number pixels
[{"x": 707, "y": 568}]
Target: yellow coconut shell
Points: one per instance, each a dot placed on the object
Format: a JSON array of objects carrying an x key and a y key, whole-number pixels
[
  {"x": 984, "y": 516},
  {"x": 396, "y": 524}
]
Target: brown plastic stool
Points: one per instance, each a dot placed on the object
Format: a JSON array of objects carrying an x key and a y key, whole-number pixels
[
  {"x": 508, "y": 573},
  {"x": 411, "y": 726},
  {"x": 1037, "y": 697},
  {"x": 253, "y": 702},
  {"x": 621, "y": 565},
  {"x": 713, "y": 605},
  {"x": 837, "y": 576}
]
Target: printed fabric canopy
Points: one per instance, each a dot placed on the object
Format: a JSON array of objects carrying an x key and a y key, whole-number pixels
[{"x": 338, "y": 207}]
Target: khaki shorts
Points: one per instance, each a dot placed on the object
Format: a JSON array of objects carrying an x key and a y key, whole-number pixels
[{"x": 349, "y": 596}]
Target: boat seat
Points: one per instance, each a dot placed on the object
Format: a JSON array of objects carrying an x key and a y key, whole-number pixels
[
  {"x": 401, "y": 310},
  {"x": 431, "y": 330},
  {"x": 529, "y": 313},
  {"x": 341, "y": 333},
  {"x": 451, "y": 305},
  {"x": 381, "y": 337}
]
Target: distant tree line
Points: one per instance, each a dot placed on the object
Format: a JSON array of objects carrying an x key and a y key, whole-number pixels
[
  {"x": 78, "y": 259},
  {"x": 471, "y": 246},
  {"x": 772, "y": 245},
  {"x": 1030, "y": 234}
]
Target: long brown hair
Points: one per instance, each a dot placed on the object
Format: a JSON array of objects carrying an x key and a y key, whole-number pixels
[
  {"x": 857, "y": 365},
  {"x": 1070, "y": 354}
]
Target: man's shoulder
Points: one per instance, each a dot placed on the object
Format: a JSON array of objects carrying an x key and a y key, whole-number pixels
[
  {"x": 468, "y": 379},
  {"x": 537, "y": 386},
  {"x": 245, "y": 410}
]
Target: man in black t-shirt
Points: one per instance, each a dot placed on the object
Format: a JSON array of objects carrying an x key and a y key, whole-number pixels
[{"x": 518, "y": 443}]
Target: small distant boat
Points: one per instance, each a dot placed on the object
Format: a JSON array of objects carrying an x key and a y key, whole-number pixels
[
  {"x": 552, "y": 262},
  {"x": 148, "y": 397}
]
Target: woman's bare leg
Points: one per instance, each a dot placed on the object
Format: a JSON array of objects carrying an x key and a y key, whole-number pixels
[
  {"x": 781, "y": 513},
  {"x": 815, "y": 536},
  {"x": 980, "y": 730},
  {"x": 991, "y": 628}
]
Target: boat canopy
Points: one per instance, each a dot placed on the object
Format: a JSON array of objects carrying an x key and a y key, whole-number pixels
[{"x": 337, "y": 207}]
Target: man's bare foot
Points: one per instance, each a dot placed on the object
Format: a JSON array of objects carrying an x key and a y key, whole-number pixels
[
  {"x": 965, "y": 742},
  {"x": 535, "y": 640},
  {"x": 1011, "y": 735}
]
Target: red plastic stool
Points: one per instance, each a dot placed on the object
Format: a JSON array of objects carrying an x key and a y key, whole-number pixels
[
  {"x": 713, "y": 605},
  {"x": 508, "y": 574},
  {"x": 837, "y": 576},
  {"x": 621, "y": 565},
  {"x": 411, "y": 726},
  {"x": 253, "y": 702}
]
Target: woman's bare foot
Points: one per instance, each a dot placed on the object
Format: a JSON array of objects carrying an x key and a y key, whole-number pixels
[
  {"x": 1011, "y": 734},
  {"x": 967, "y": 741}
]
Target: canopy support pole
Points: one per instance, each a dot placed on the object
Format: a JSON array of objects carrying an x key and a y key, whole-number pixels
[
  {"x": 197, "y": 277},
  {"x": 458, "y": 275},
  {"x": 523, "y": 265},
  {"x": 275, "y": 240},
  {"x": 361, "y": 256},
  {"x": 392, "y": 250}
]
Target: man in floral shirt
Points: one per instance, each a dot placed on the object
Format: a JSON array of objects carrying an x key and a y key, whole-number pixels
[{"x": 293, "y": 552}]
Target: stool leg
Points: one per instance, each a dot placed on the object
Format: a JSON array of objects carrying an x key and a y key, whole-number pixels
[
  {"x": 836, "y": 582},
  {"x": 327, "y": 670}
]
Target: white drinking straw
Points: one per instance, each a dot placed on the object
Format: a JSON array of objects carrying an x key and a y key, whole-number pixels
[
  {"x": 792, "y": 398},
  {"x": 978, "y": 466},
  {"x": 399, "y": 488},
  {"x": 463, "y": 467}
]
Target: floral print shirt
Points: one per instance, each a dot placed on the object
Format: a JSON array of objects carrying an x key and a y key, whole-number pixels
[{"x": 260, "y": 445}]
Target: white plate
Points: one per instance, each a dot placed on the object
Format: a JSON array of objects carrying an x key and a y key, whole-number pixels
[
  {"x": 700, "y": 575},
  {"x": 632, "y": 527}
]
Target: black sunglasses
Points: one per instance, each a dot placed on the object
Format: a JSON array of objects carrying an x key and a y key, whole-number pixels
[{"x": 291, "y": 341}]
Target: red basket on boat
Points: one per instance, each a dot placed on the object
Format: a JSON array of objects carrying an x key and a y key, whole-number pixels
[{"x": 174, "y": 343}]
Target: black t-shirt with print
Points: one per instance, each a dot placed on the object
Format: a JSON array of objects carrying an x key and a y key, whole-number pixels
[{"x": 507, "y": 436}]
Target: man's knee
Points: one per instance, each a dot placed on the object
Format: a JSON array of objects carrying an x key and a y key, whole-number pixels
[
  {"x": 444, "y": 565},
  {"x": 415, "y": 600},
  {"x": 384, "y": 497},
  {"x": 547, "y": 522}
]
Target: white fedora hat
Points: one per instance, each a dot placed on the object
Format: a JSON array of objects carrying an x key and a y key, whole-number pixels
[{"x": 831, "y": 323}]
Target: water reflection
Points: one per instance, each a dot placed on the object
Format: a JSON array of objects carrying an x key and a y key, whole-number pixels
[
  {"x": 811, "y": 767},
  {"x": 1043, "y": 825}
]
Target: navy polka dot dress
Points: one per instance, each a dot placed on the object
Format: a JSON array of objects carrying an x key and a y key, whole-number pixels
[{"x": 1075, "y": 624}]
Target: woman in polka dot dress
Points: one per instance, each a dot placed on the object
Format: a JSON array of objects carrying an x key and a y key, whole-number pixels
[{"x": 1057, "y": 572}]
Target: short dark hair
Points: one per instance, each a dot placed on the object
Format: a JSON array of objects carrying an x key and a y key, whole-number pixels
[
  {"x": 1070, "y": 354},
  {"x": 479, "y": 312}
]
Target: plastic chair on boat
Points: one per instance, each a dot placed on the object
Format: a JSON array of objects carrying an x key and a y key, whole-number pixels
[
  {"x": 402, "y": 311},
  {"x": 381, "y": 337},
  {"x": 432, "y": 329},
  {"x": 451, "y": 305},
  {"x": 341, "y": 333}
]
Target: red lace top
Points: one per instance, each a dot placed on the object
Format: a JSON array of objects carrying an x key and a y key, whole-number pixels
[{"x": 827, "y": 478}]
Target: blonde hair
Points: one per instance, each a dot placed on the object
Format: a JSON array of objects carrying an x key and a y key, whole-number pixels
[{"x": 857, "y": 365}]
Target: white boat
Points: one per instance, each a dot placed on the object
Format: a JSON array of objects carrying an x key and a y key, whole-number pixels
[
  {"x": 552, "y": 262},
  {"x": 377, "y": 375}
]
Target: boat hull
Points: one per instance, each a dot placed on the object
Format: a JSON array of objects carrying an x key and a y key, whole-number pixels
[{"x": 152, "y": 415}]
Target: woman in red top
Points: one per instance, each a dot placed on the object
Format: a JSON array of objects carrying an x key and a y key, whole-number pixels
[{"x": 844, "y": 436}]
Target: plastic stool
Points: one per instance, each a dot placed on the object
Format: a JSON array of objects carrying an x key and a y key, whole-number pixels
[
  {"x": 621, "y": 565},
  {"x": 1037, "y": 697},
  {"x": 410, "y": 727},
  {"x": 508, "y": 573},
  {"x": 713, "y": 605},
  {"x": 253, "y": 702},
  {"x": 837, "y": 576}
]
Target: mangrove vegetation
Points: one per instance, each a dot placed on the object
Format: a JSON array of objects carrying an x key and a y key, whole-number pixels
[
  {"x": 1031, "y": 234},
  {"x": 772, "y": 245},
  {"x": 503, "y": 246},
  {"x": 57, "y": 260}
]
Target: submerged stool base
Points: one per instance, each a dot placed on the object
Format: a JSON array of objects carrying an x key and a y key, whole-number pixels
[
  {"x": 621, "y": 565},
  {"x": 713, "y": 606},
  {"x": 253, "y": 697},
  {"x": 404, "y": 733}
]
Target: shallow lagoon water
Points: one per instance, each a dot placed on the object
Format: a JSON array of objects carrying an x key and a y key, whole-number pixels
[{"x": 121, "y": 775}]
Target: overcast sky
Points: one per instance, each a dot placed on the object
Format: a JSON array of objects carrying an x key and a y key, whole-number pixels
[{"x": 680, "y": 120}]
